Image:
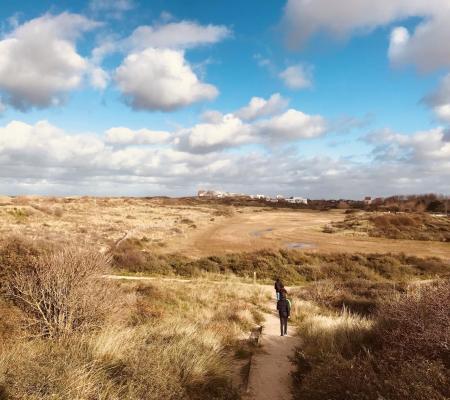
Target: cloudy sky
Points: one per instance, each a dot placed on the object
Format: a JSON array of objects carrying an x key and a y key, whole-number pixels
[{"x": 318, "y": 98}]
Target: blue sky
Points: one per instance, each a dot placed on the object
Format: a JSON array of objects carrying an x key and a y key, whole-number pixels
[{"x": 347, "y": 101}]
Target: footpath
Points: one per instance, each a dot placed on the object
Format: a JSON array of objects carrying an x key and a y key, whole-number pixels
[{"x": 270, "y": 372}]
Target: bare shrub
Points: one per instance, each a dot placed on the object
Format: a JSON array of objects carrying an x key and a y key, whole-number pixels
[
  {"x": 417, "y": 324},
  {"x": 404, "y": 356},
  {"x": 59, "y": 292}
]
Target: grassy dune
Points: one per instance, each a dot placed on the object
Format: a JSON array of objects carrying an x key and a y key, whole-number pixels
[
  {"x": 164, "y": 339},
  {"x": 413, "y": 226}
]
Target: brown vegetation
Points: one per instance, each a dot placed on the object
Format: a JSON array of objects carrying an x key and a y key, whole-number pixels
[
  {"x": 170, "y": 340},
  {"x": 292, "y": 266},
  {"x": 401, "y": 353},
  {"x": 396, "y": 226}
]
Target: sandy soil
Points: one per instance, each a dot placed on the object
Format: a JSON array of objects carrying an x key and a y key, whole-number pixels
[
  {"x": 250, "y": 230},
  {"x": 270, "y": 369}
]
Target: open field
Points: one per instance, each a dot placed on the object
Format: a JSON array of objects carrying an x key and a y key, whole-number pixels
[
  {"x": 193, "y": 230},
  {"x": 302, "y": 230}
]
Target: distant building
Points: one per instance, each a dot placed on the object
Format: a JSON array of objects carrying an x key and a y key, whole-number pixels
[
  {"x": 367, "y": 200},
  {"x": 297, "y": 200},
  {"x": 279, "y": 197}
]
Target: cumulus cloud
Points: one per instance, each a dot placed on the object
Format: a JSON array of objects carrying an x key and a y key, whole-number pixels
[
  {"x": 439, "y": 100},
  {"x": 423, "y": 47},
  {"x": 305, "y": 18},
  {"x": 292, "y": 125},
  {"x": 125, "y": 136},
  {"x": 39, "y": 63},
  {"x": 259, "y": 107},
  {"x": 176, "y": 35},
  {"x": 297, "y": 77},
  {"x": 247, "y": 125},
  {"x": 160, "y": 79},
  {"x": 227, "y": 131},
  {"x": 43, "y": 158}
]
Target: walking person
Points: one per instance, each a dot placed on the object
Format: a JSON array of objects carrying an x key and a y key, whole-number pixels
[
  {"x": 284, "y": 311},
  {"x": 278, "y": 288}
]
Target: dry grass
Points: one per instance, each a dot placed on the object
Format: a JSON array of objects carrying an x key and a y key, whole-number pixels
[
  {"x": 59, "y": 292},
  {"x": 291, "y": 266},
  {"x": 402, "y": 352},
  {"x": 102, "y": 221},
  {"x": 412, "y": 226},
  {"x": 164, "y": 339}
]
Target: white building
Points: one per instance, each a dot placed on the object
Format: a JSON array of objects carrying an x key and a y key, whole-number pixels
[{"x": 297, "y": 200}]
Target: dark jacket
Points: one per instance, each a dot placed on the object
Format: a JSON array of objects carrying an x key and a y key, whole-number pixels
[
  {"x": 283, "y": 307},
  {"x": 278, "y": 285}
]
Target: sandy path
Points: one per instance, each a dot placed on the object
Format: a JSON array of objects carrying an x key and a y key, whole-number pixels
[{"x": 270, "y": 377}]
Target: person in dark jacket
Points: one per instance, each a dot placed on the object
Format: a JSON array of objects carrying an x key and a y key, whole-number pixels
[
  {"x": 278, "y": 288},
  {"x": 284, "y": 311}
]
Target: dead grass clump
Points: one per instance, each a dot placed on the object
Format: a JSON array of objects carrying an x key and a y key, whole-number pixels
[
  {"x": 60, "y": 292},
  {"x": 342, "y": 333},
  {"x": 404, "y": 355},
  {"x": 20, "y": 214}
]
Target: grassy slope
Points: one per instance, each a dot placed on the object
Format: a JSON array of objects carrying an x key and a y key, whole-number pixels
[
  {"x": 171, "y": 340},
  {"x": 413, "y": 226}
]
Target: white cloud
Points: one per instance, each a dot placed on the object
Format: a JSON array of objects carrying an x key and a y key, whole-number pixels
[
  {"x": 424, "y": 46},
  {"x": 126, "y": 136},
  {"x": 42, "y": 158},
  {"x": 227, "y": 131},
  {"x": 429, "y": 150},
  {"x": 160, "y": 79},
  {"x": 99, "y": 78},
  {"x": 180, "y": 35},
  {"x": 245, "y": 126},
  {"x": 177, "y": 35},
  {"x": 297, "y": 77},
  {"x": 439, "y": 100},
  {"x": 39, "y": 63},
  {"x": 259, "y": 107},
  {"x": 304, "y": 18},
  {"x": 212, "y": 117},
  {"x": 292, "y": 125}
]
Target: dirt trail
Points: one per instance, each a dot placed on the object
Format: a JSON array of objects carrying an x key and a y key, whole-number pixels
[
  {"x": 270, "y": 373},
  {"x": 269, "y": 376}
]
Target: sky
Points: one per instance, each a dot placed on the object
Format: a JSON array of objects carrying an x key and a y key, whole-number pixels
[{"x": 301, "y": 97}]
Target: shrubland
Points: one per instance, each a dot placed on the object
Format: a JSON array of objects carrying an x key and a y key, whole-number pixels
[
  {"x": 412, "y": 226},
  {"x": 292, "y": 266},
  {"x": 400, "y": 352},
  {"x": 67, "y": 332}
]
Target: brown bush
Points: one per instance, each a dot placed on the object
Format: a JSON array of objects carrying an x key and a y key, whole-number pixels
[
  {"x": 405, "y": 355},
  {"x": 418, "y": 324},
  {"x": 60, "y": 292}
]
